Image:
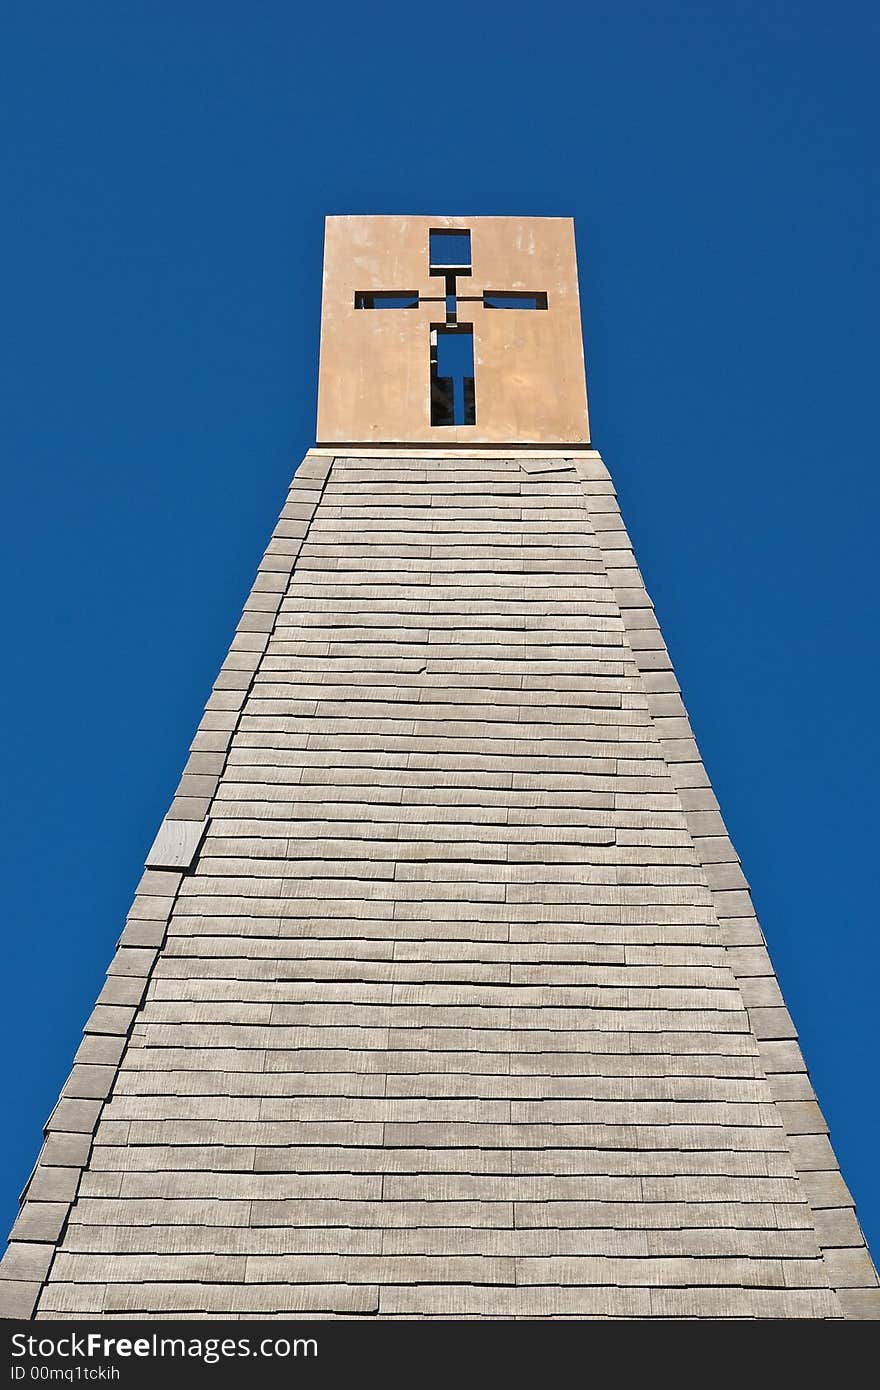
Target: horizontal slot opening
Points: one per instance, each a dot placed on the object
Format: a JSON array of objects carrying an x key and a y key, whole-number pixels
[
  {"x": 386, "y": 299},
  {"x": 514, "y": 299}
]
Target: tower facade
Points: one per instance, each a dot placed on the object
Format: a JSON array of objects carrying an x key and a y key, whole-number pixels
[{"x": 442, "y": 993}]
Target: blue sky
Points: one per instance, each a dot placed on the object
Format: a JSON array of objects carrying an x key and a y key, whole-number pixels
[{"x": 165, "y": 171}]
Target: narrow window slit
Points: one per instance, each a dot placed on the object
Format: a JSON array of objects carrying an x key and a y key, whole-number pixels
[
  {"x": 453, "y": 397},
  {"x": 386, "y": 299},
  {"x": 514, "y": 299}
]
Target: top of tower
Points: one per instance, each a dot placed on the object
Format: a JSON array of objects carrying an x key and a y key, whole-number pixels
[{"x": 451, "y": 331}]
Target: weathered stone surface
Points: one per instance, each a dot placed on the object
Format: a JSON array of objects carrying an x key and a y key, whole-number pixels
[{"x": 460, "y": 1007}]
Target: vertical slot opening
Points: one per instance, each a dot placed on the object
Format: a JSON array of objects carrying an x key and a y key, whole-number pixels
[{"x": 453, "y": 394}]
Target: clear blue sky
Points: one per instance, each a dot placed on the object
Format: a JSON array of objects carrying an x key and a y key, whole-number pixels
[{"x": 165, "y": 170}]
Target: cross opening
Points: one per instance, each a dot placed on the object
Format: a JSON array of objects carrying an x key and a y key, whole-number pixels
[{"x": 452, "y": 382}]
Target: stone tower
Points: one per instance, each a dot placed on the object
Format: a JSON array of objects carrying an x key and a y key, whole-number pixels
[{"x": 442, "y": 993}]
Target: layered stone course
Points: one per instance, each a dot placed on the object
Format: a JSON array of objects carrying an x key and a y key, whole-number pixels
[
  {"x": 839, "y": 1234},
  {"x": 453, "y": 1003},
  {"x": 68, "y": 1134}
]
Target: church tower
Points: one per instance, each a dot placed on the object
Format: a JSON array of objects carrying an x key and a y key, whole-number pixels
[{"x": 442, "y": 993}]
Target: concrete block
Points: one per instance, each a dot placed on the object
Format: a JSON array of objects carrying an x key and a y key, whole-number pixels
[
  {"x": 40, "y": 1220},
  {"x": 74, "y": 1117},
  {"x": 826, "y": 1190},
  {"x": 26, "y": 1261},
  {"x": 862, "y": 1304},
  {"x": 189, "y": 808},
  {"x": 89, "y": 1082},
  {"x": 802, "y": 1117},
  {"x": 63, "y": 1150},
  {"x": 761, "y": 993},
  {"x": 18, "y": 1298},
  {"x": 110, "y": 1018},
  {"x": 772, "y": 1024},
  {"x": 142, "y": 933},
  {"x": 851, "y": 1269},
  {"x": 53, "y": 1184},
  {"x": 122, "y": 989},
  {"x": 101, "y": 1048},
  {"x": 836, "y": 1226}
]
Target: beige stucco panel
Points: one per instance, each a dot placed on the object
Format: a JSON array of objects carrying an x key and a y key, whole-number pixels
[{"x": 374, "y": 375}]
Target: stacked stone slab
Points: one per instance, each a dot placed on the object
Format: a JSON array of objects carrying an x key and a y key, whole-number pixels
[{"x": 442, "y": 994}]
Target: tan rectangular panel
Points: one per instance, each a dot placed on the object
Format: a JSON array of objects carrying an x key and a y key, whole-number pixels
[{"x": 374, "y": 380}]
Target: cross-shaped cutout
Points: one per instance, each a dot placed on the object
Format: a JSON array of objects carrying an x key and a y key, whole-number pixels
[{"x": 452, "y": 385}]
